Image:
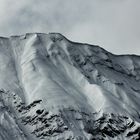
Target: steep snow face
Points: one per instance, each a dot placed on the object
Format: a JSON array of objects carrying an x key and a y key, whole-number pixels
[
  {"x": 71, "y": 80},
  {"x": 8, "y": 72}
]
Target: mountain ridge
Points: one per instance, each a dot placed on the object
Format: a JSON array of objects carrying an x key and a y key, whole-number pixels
[{"x": 73, "y": 81}]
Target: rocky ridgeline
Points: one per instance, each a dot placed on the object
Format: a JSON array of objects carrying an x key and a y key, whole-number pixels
[
  {"x": 47, "y": 125},
  {"x": 42, "y": 123}
]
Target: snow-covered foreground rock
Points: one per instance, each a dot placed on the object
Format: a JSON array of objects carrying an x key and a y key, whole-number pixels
[{"x": 55, "y": 89}]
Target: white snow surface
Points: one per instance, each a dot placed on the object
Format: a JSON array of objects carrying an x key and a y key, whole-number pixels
[{"x": 64, "y": 74}]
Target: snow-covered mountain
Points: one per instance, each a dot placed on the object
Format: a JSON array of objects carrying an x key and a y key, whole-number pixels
[{"x": 56, "y": 89}]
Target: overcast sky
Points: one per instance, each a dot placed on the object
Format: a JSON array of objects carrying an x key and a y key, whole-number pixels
[{"x": 112, "y": 24}]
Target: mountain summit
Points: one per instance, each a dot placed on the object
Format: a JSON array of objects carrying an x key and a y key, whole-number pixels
[{"x": 56, "y": 89}]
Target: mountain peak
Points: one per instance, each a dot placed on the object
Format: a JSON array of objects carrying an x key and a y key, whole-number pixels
[{"x": 60, "y": 89}]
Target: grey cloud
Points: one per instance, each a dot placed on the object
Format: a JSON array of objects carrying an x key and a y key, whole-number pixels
[{"x": 112, "y": 24}]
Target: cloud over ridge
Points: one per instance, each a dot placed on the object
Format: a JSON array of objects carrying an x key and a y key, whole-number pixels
[{"x": 111, "y": 24}]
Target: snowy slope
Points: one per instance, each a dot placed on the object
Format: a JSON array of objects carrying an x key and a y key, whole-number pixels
[{"x": 52, "y": 88}]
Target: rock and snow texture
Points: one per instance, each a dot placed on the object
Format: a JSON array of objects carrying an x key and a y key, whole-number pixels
[{"x": 55, "y": 89}]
